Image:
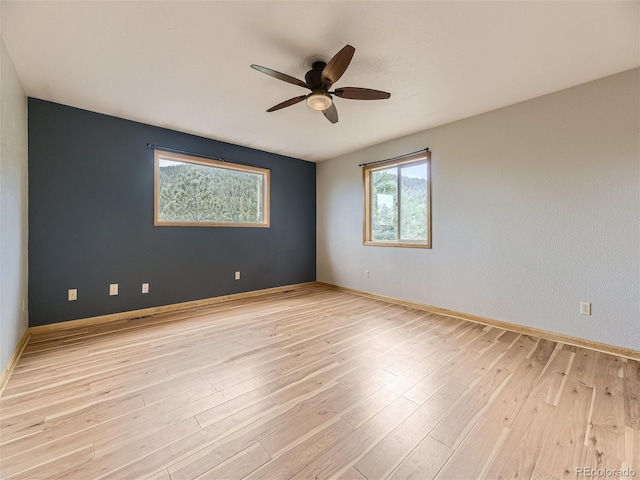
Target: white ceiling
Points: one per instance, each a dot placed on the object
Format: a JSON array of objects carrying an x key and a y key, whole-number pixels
[{"x": 185, "y": 65}]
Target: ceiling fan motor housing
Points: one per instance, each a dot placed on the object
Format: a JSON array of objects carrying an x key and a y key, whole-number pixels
[{"x": 313, "y": 76}]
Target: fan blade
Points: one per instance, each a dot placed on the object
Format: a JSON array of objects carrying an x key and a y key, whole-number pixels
[
  {"x": 337, "y": 66},
  {"x": 331, "y": 113},
  {"x": 357, "y": 93},
  {"x": 280, "y": 76},
  {"x": 287, "y": 103}
]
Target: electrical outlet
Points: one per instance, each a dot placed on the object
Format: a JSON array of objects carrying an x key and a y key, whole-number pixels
[
  {"x": 73, "y": 294},
  {"x": 367, "y": 274},
  {"x": 585, "y": 308},
  {"x": 145, "y": 288},
  {"x": 237, "y": 276},
  {"x": 113, "y": 289}
]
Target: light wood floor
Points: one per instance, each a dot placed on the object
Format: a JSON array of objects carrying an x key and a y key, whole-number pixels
[{"x": 314, "y": 384}]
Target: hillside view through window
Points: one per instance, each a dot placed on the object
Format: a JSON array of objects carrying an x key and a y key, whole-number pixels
[
  {"x": 209, "y": 193},
  {"x": 397, "y": 209}
]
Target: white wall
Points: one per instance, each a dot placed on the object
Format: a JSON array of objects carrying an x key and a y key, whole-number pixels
[
  {"x": 13, "y": 207},
  {"x": 536, "y": 207}
]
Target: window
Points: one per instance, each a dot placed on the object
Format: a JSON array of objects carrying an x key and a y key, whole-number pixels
[
  {"x": 191, "y": 191},
  {"x": 398, "y": 202}
]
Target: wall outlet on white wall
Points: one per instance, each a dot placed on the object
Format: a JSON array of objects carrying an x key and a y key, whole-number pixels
[
  {"x": 113, "y": 289},
  {"x": 367, "y": 274},
  {"x": 72, "y": 295},
  {"x": 585, "y": 308}
]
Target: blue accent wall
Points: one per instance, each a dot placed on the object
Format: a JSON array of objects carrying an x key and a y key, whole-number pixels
[{"x": 91, "y": 199}]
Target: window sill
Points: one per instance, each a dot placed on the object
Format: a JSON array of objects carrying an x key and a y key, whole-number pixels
[
  {"x": 397, "y": 244},
  {"x": 210, "y": 224}
]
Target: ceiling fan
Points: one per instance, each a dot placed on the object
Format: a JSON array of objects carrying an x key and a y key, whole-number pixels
[{"x": 319, "y": 80}]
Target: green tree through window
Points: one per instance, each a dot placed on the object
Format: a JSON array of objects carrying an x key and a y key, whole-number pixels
[
  {"x": 193, "y": 191},
  {"x": 397, "y": 202}
]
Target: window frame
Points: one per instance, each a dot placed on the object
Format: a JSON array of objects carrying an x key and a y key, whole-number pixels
[
  {"x": 177, "y": 157},
  {"x": 367, "y": 170}
]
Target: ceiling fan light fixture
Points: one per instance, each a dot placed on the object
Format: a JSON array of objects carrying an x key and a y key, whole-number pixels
[{"x": 319, "y": 101}]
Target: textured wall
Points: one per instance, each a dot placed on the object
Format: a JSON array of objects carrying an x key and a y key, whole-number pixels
[
  {"x": 536, "y": 207},
  {"x": 13, "y": 208},
  {"x": 91, "y": 221}
]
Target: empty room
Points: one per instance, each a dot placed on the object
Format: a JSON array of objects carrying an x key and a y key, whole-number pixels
[{"x": 312, "y": 240}]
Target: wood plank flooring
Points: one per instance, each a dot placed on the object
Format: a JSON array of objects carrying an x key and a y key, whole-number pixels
[{"x": 313, "y": 383}]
